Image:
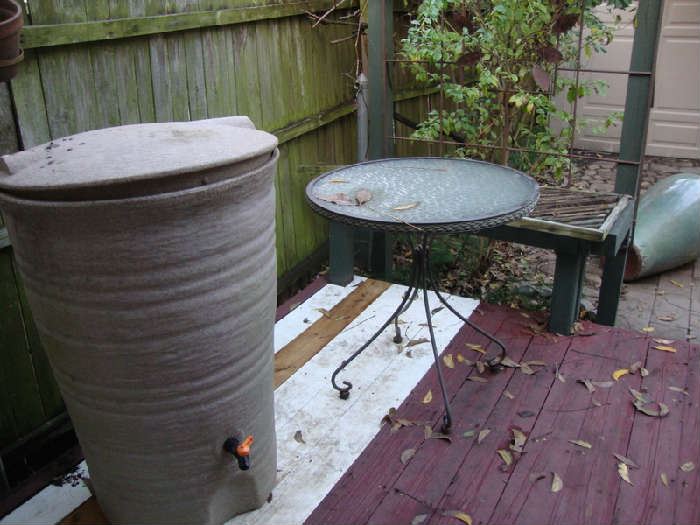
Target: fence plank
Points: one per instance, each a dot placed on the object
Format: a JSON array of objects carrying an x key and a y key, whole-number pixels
[
  {"x": 28, "y": 95},
  {"x": 247, "y": 79},
  {"x": 8, "y": 131},
  {"x": 18, "y": 371}
]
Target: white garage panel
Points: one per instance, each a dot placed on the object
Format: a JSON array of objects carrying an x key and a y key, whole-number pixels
[{"x": 674, "y": 127}]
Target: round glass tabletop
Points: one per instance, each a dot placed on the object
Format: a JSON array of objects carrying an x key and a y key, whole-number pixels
[{"x": 423, "y": 193}]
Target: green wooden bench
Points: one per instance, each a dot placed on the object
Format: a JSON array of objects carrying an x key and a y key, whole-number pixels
[{"x": 573, "y": 224}]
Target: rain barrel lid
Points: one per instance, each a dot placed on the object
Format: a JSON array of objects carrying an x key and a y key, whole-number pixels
[{"x": 136, "y": 160}]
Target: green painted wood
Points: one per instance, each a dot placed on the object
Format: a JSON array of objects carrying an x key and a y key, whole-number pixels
[
  {"x": 341, "y": 254},
  {"x": 566, "y": 293},
  {"x": 610, "y": 288},
  {"x": 380, "y": 49},
  {"x": 306, "y": 237},
  {"x": 82, "y": 31},
  {"x": 636, "y": 121},
  {"x": 18, "y": 378},
  {"x": 285, "y": 222}
]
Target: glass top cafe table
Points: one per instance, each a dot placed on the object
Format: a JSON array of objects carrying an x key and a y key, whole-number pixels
[{"x": 422, "y": 197}]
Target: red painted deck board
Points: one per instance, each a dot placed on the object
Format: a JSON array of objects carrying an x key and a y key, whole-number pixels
[{"x": 469, "y": 477}]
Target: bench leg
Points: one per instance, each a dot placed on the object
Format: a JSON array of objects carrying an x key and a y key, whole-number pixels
[
  {"x": 381, "y": 254},
  {"x": 566, "y": 294},
  {"x": 342, "y": 254},
  {"x": 610, "y": 286}
]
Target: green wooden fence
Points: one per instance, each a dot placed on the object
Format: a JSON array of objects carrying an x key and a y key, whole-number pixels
[{"x": 96, "y": 63}]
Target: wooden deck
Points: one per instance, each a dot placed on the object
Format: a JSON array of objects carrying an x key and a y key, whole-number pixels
[{"x": 347, "y": 467}]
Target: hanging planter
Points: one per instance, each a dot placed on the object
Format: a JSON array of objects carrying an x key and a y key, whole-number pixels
[{"x": 11, "y": 54}]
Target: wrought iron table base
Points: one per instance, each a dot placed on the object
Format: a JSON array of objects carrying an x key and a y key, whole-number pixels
[{"x": 421, "y": 279}]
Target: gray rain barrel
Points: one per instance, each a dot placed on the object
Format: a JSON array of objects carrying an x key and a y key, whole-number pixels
[{"x": 148, "y": 256}]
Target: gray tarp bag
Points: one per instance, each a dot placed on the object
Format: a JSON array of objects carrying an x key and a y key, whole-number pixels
[{"x": 148, "y": 256}]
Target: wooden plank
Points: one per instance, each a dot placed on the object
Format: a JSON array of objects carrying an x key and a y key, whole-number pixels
[
  {"x": 661, "y": 445},
  {"x": 89, "y": 513},
  {"x": 464, "y": 470},
  {"x": 196, "y": 80},
  {"x": 28, "y": 97},
  {"x": 50, "y": 34},
  {"x": 18, "y": 379},
  {"x": 295, "y": 354},
  {"x": 286, "y": 228},
  {"x": 364, "y": 485},
  {"x": 589, "y": 476},
  {"x": 247, "y": 80},
  {"x": 219, "y": 64}
]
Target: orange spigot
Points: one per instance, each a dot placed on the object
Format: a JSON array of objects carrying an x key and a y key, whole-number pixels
[{"x": 240, "y": 450}]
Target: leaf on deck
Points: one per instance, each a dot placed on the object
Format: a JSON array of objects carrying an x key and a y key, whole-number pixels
[
  {"x": 461, "y": 516},
  {"x": 477, "y": 379},
  {"x": 507, "y": 361},
  {"x": 645, "y": 408},
  {"x": 480, "y": 367},
  {"x": 518, "y": 441},
  {"x": 648, "y": 329},
  {"x": 667, "y": 318},
  {"x": 624, "y": 473},
  {"x": 428, "y": 397},
  {"x": 508, "y": 394},
  {"x": 469, "y": 433},
  {"x": 664, "y": 341},
  {"x": 676, "y": 283},
  {"x": 414, "y": 342},
  {"x": 688, "y": 467},
  {"x": 476, "y": 347},
  {"x": 679, "y": 390},
  {"x": 617, "y": 374},
  {"x": 506, "y": 456},
  {"x": 448, "y": 360},
  {"x": 418, "y": 519},
  {"x": 407, "y": 454},
  {"x": 627, "y": 461},
  {"x": 298, "y": 437},
  {"x": 482, "y": 435},
  {"x": 664, "y": 479},
  {"x": 557, "y": 483},
  {"x": 665, "y": 348},
  {"x": 588, "y": 384},
  {"x": 580, "y": 443}
]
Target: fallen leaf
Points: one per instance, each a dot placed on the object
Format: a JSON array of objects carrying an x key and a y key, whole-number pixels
[
  {"x": 617, "y": 374},
  {"x": 461, "y": 516},
  {"x": 536, "y": 363},
  {"x": 414, "y": 342},
  {"x": 525, "y": 369},
  {"x": 482, "y": 435},
  {"x": 402, "y": 207},
  {"x": 427, "y": 431},
  {"x": 428, "y": 397},
  {"x": 506, "y": 456},
  {"x": 447, "y": 359},
  {"x": 338, "y": 198},
  {"x": 407, "y": 454},
  {"x": 480, "y": 367},
  {"x": 436, "y": 310},
  {"x": 507, "y": 361},
  {"x": 643, "y": 372},
  {"x": 477, "y": 379},
  {"x": 640, "y": 396},
  {"x": 418, "y": 519},
  {"x": 324, "y": 312},
  {"x": 645, "y": 409},
  {"x": 688, "y": 467},
  {"x": 561, "y": 378},
  {"x": 664, "y": 341},
  {"x": 298, "y": 437},
  {"x": 518, "y": 441},
  {"x": 634, "y": 367},
  {"x": 580, "y": 443},
  {"x": 603, "y": 384},
  {"x": 337, "y": 181},
  {"x": 363, "y": 196},
  {"x": 469, "y": 433},
  {"x": 476, "y": 347},
  {"x": 557, "y": 483},
  {"x": 508, "y": 394},
  {"x": 439, "y": 435},
  {"x": 537, "y": 476},
  {"x": 664, "y": 348},
  {"x": 667, "y": 318},
  {"x": 595, "y": 402},
  {"x": 588, "y": 384},
  {"x": 664, "y": 479},
  {"x": 460, "y": 358},
  {"x": 679, "y": 390},
  {"x": 676, "y": 283},
  {"x": 626, "y": 461},
  {"x": 526, "y": 413},
  {"x": 624, "y": 472},
  {"x": 648, "y": 329}
]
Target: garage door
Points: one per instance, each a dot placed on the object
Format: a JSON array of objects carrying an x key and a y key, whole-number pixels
[{"x": 674, "y": 127}]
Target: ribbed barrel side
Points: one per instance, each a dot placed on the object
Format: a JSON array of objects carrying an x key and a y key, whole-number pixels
[{"x": 157, "y": 314}]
